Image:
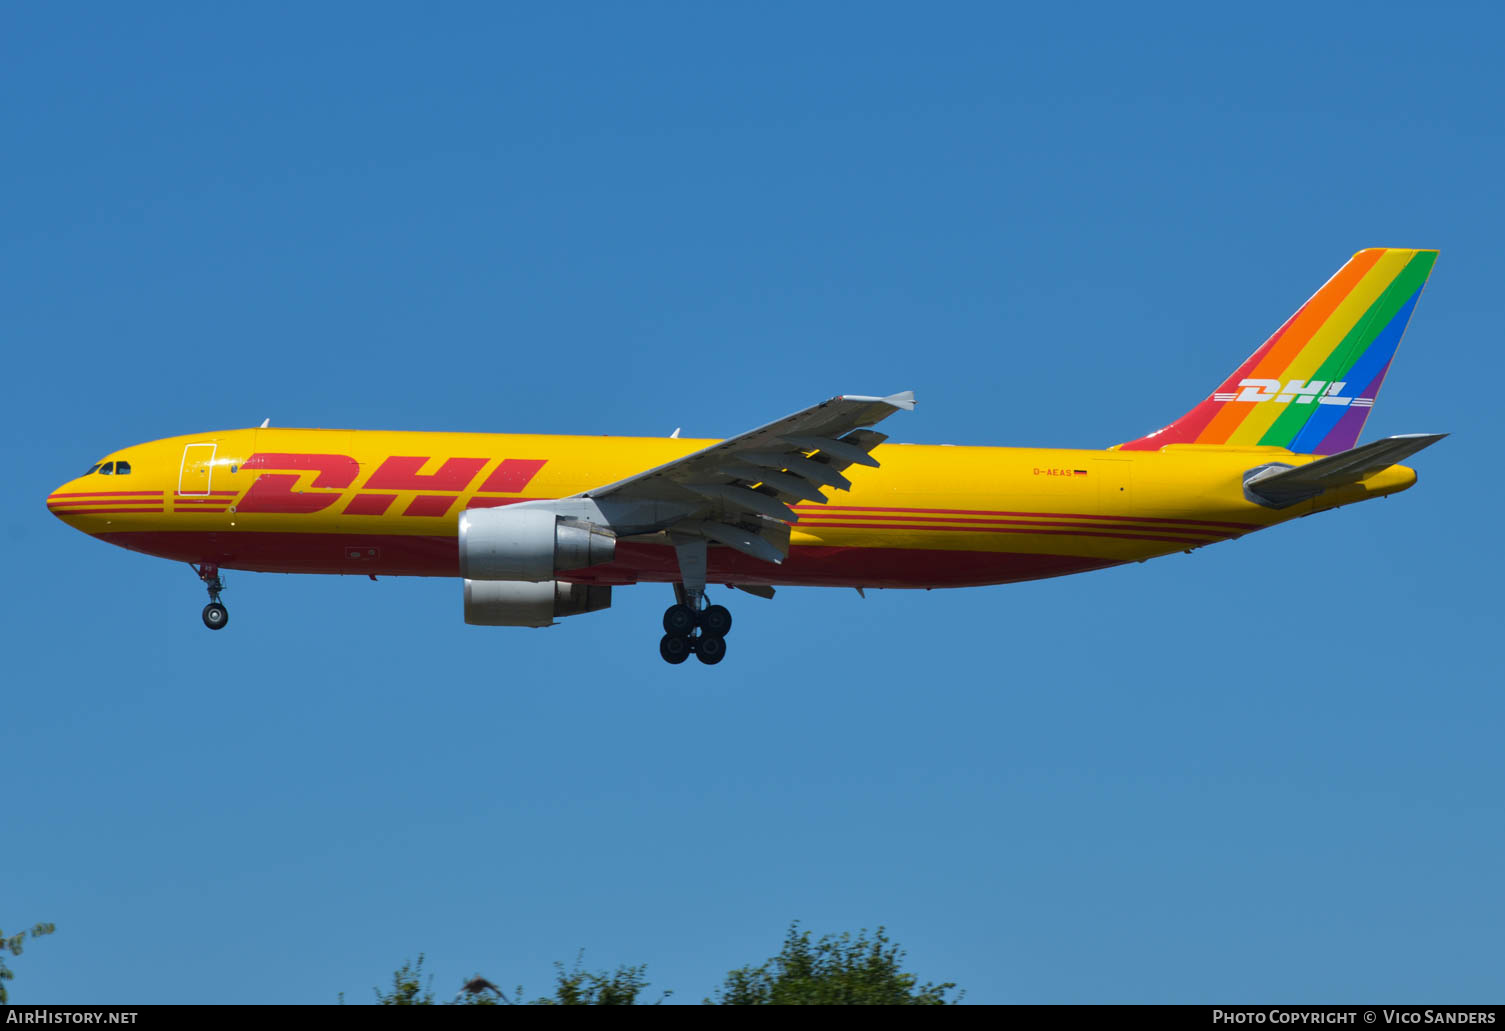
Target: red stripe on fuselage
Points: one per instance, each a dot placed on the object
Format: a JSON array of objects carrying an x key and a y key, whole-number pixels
[
  {"x": 109, "y": 494},
  {"x": 949, "y": 523},
  {"x": 999, "y": 513},
  {"x": 74, "y": 506},
  {"x": 994, "y": 528},
  {"x": 413, "y": 555},
  {"x": 825, "y": 566},
  {"x": 100, "y": 511}
]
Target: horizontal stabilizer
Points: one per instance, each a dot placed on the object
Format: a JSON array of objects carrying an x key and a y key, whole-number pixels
[{"x": 1280, "y": 486}]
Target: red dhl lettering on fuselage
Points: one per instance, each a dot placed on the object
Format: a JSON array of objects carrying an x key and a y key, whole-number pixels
[{"x": 274, "y": 490}]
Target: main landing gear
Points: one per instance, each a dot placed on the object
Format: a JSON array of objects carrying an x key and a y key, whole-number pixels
[
  {"x": 692, "y": 626},
  {"x": 215, "y": 614}
]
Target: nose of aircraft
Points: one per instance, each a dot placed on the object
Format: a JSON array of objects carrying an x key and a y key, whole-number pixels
[
  {"x": 94, "y": 495},
  {"x": 58, "y": 500}
]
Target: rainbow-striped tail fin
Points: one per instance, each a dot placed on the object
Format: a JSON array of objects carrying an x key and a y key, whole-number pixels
[{"x": 1309, "y": 387}]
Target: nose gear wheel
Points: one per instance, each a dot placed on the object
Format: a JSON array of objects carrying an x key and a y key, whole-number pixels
[{"x": 215, "y": 614}]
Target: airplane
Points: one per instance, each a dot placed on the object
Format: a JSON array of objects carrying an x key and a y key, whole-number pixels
[{"x": 542, "y": 528}]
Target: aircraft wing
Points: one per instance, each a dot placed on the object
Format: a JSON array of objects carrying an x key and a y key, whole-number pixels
[
  {"x": 1280, "y": 487},
  {"x": 738, "y": 492}
]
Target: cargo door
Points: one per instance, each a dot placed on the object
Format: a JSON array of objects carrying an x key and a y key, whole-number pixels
[
  {"x": 197, "y": 470},
  {"x": 1114, "y": 485}
]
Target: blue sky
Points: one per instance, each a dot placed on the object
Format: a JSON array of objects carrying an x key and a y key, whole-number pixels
[{"x": 1270, "y": 771}]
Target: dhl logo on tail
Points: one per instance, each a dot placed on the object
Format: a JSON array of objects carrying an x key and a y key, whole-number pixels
[
  {"x": 1345, "y": 336},
  {"x": 1301, "y": 392}
]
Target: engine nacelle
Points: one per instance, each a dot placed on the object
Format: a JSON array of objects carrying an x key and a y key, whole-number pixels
[
  {"x": 516, "y": 603},
  {"x": 532, "y": 544}
]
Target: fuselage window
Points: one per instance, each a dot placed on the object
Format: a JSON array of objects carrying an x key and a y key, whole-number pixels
[
  {"x": 92, "y": 468},
  {"x": 107, "y": 469},
  {"x": 122, "y": 468}
]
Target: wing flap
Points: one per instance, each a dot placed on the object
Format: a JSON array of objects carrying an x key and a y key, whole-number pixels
[
  {"x": 805, "y": 468},
  {"x": 745, "y": 541},
  {"x": 793, "y": 486},
  {"x": 747, "y": 500},
  {"x": 850, "y": 452}
]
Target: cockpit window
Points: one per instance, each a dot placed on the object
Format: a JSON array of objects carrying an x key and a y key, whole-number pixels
[
  {"x": 107, "y": 469},
  {"x": 92, "y": 468},
  {"x": 122, "y": 468}
]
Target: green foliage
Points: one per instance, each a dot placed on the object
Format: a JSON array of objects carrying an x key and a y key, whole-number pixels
[
  {"x": 836, "y": 970},
  {"x": 573, "y": 987},
  {"x": 408, "y": 988},
  {"x": 14, "y": 945},
  {"x": 579, "y": 987}
]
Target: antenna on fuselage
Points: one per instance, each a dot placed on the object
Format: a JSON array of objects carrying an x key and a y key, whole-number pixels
[
  {"x": 675, "y": 434},
  {"x": 266, "y": 422}
]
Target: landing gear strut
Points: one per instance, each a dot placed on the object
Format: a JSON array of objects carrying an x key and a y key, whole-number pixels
[
  {"x": 215, "y": 614},
  {"x": 692, "y": 626}
]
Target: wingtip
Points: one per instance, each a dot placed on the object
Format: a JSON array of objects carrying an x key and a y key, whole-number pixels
[{"x": 904, "y": 399}]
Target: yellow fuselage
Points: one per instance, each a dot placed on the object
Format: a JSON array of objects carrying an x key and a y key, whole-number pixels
[{"x": 375, "y": 502}]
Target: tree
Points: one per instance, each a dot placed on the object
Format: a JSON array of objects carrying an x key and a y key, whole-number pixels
[
  {"x": 13, "y": 945},
  {"x": 407, "y": 987},
  {"x": 836, "y": 970},
  {"x": 579, "y": 987},
  {"x": 573, "y": 987}
]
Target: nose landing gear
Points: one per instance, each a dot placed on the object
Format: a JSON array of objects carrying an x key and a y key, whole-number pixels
[{"x": 215, "y": 614}]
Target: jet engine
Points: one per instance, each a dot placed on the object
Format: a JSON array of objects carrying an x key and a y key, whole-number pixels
[
  {"x": 530, "y": 544},
  {"x": 514, "y": 603}
]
